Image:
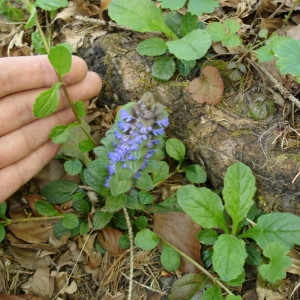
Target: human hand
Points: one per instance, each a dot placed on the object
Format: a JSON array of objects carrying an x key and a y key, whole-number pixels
[{"x": 25, "y": 147}]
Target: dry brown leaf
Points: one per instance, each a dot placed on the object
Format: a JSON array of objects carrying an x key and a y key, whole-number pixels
[
  {"x": 109, "y": 239},
  {"x": 295, "y": 267},
  {"x": 208, "y": 87},
  {"x": 87, "y": 244},
  {"x": 22, "y": 297},
  {"x": 178, "y": 229},
  {"x": 86, "y": 9}
]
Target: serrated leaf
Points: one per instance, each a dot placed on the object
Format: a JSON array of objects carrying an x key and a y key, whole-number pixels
[
  {"x": 163, "y": 68},
  {"x": 212, "y": 293},
  {"x": 140, "y": 15},
  {"x": 61, "y": 59},
  {"x": 197, "y": 7},
  {"x": 238, "y": 192},
  {"x": 2, "y": 232},
  {"x": 169, "y": 258},
  {"x": 172, "y": 4},
  {"x": 47, "y": 101},
  {"x": 152, "y": 47},
  {"x": 73, "y": 167},
  {"x": 279, "y": 262},
  {"x": 51, "y": 5},
  {"x": 203, "y": 206},
  {"x": 45, "y": 209},
  {"x": 60, "y": 133},
  {"x": 70, "y": 221},
  {"x": 195, "y": 174},
  {"x": 80, "y": 109},
  {"x": 280, "y": 227},
  {"x": 146, "y": 239},
  {"x": 193, "y": 46},
  {"x": 175, "y": 149},
  {"x": 229, "y": 257},
  {"x": 101, "y": 219}
]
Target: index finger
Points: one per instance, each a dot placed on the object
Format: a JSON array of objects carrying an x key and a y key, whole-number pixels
[{"x": 30, "y": 72}]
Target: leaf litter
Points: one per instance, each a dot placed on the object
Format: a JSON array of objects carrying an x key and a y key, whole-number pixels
[{"x": 35, "y": 265}]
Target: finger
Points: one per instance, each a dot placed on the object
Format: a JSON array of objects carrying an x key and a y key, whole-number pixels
[
  {"x": 20, "y": 143},
  {"x": 31, "y": 72},
  {"x": 16, "y": 109},
  {"x": 16, "y": 175}
]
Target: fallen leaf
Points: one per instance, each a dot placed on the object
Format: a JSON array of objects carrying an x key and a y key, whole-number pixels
[
  {"x": 86, "y": 9},
  {"x": 208, "y": 87},
  {"x": 109, "y": 239},
  {"x": 179, "y": 230},
  {"x": 22, "y": 297}
]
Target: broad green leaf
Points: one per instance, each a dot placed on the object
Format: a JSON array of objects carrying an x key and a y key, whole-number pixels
[
  {"x": 254, "y": 256},
  {"x": 141, "y": 222},
  {"x": 60, "y": 133},
  {"x": 193, "y": 46},
  {"x": 238, "y": 281},
  {"x": 80, "y": 109},
  {"x": 115, "y": 203},
  {"x": 231, "y": 41},
  {"x": 101, "y": 219},
  {"x": 175, "y": 149},
  {"x": 169, "y": 258},
  {"x": 238, "y": 192},
  {"x": 207, "y": 236},
  {"x": 212, "y": 293},
  {"x": 51, "y": 5},
  {"x": 197, "y": 7},
  {"x": 86, "y": 145},
  {"x": 187, "y": 286},
  {"x": 275, "y": 227},
  {"x": 229, "y": 257},
  {"x": 146, "y": 239},
  {"x": 163, "y": 68},
  {"x": 161, "y": 173},
  {"x": 61, "y": 59},
  {"x": 73, "y": 166},
  {"x": 81, "y": 205},
  {"x": 59, "y": 191},
  {"x": 119, "y": 186},
  {"x": 152, "y": 47},
  {"x": 3, "y": 208},
  {"x": 70, "y": 221},
  {"x": 188, "y": 23},
  {"x": 13, "y": 14},
  {"x": 144, "y": 182},
  {"x": 185, "y": 67},
  {"x": 37, "y": 43},
  {"x": 279, "y": 262},
  {"x": 145, "y": 197},
  {"x": 124, "y": 241},
  {"x": 83, "y": 228},
  {"x": 216, "y": 31},
  {"x": 172, "y": 4},
  {"x": 203, "y": 206},
  {"x": 123, "y": 173},
  {"x": 139, "y": 15},
  {"x": 47, "y": 101},
  {"x": 288, "y": 57},
  {"x": 173, "y": 20},
  {"x": 2, "y": 232},
  {"x": 195, "y": 174},
  {"x": 232, "y": 25},
  {"x": 60, "y": 231},
  {"x": 45, "y": 209}
]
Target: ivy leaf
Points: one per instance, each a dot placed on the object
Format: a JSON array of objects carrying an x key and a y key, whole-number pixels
[
  {"x": 47, "y": 101},
  {"x": 238, "y": 192},
  {"x": 163, "y": 68},
  {"x": 45, "y": 209},
  {"x": 279, "y": 262},
  {"x": 203, "y": 206},
  {"x": 193, "y": 46},
  {"x": 197, "y": 7},
  {"x": 275, "y": 227},
  {"x": 233, "y": 249},
  {"x": 51, "y": 5},
  {"x": 146, "y": 239},
  {"x": 152, "y": 47},
  {"x": 61, "y": 59},
  {"x": 175, "y": 149},
  {"x": 101, "y": 219}
]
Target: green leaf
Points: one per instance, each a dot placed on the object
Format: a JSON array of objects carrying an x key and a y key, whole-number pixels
[
  {"x": 173, "y": 21},
  {"x": 203, "y": 206},
  {"x": 207, "y": 236},
  {"x": 51, "y": 5},
  {"x": 193, "y": 46},
  {"x": 233, "y": 297},
  {"x": 185, "y": 67},
  {"x": 212, "y": 293},
  {"x": 73, "y": 166},
  {"x": 161, "y": 173},
  {"x": 101, "y": 219},
  {"x": 145, "y": 197},
  {"x": 2, "y": 232},
  {"x": 175, "y": 149},
  {"x": 45, "y": 209},
  {"x": 275, "y": 227},
  {"x": 81, "y": 205},
  {"x": 119, "y": 186},
  {"x": 197, "y": 7},
  {"x": 172, "y": 4},
  {"x": 238, "y": 192},
  {"x": 229, "y": 257},
  {"x": 279, "y": 262},
  {"x": 14, "y": 14},
  {"x": 238, "y": 281},
  {"x": 83, "y": 228},
  {"x": 115, "y": 203},
  {"x": 232, "y": 25},
  {"x": 216, "y": 31},
  {"x": 144, "y": 182},
  {"x": 139, "y": 15},
  {"x": 37, "y": 43},
  {"x": 195, "y": 174},
  {"x": 124, "y": 241},
  {"x": 169, "y": 258},
  {"x": 70, "y": 221},
  {"x": 33, "y": 15},
  {"x": 61, "y": 59},
  {"x": 288, "y": 57},
  {"x": 60, "y": 133},
  {"x": 146, "y": 239},
  {"x": 188, "y": 23},
  {"x": 59, "y": 191},
  {"x": 86, "y": 145},
  {"x": 80, "y": 109},
  {"x": 141, "y": 222},
  {"x": 47, "y": 101},
  {"x": 3, "y": 208},
  {"x": 163, "y": 68},
  {"x": 254, "y": 256},
  {"x": 152, "y": 47}
]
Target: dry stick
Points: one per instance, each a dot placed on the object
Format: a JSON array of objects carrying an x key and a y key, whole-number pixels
[{"x": 130, "y": 235}]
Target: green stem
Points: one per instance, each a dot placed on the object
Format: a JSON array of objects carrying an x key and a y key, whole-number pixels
[
  {"x": 198, "y": 266},
  {"x": 34, "y": 219},
  {"x": 291, "y": 10}
]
